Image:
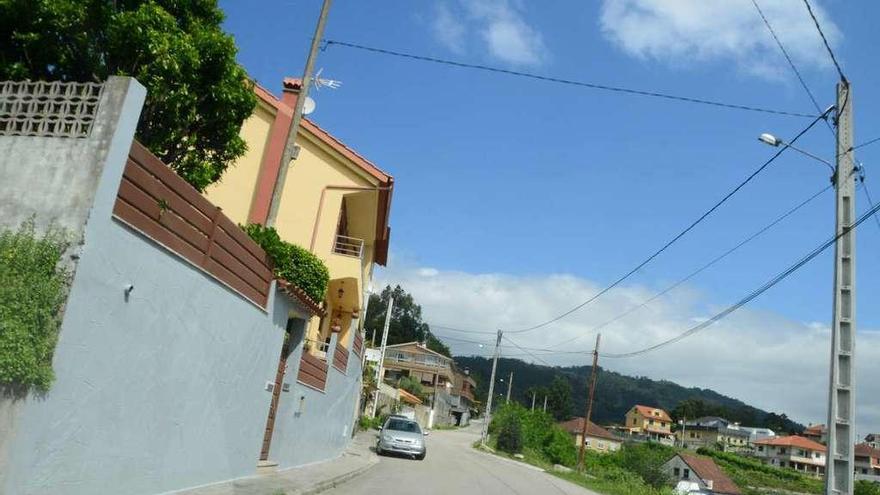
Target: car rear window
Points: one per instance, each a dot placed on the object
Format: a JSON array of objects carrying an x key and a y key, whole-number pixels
[{"x": 403, "y": 425}]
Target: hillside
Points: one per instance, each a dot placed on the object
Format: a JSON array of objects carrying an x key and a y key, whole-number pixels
[{"x": 616, "y": 393}]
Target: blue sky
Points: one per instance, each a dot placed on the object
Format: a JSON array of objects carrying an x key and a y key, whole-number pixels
[{"x": 524, "y": 181}]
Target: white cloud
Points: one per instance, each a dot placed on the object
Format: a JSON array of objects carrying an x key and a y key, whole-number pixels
[
  {"x": 686, "y": 31},
  {"x": 758, "y": 357},
  {"x": 499, "y": 27}
]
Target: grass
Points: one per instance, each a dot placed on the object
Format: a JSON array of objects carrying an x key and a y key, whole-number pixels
[{"x": 756, "y": 478}]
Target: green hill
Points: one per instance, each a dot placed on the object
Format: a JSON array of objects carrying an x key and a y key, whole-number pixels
[{"x": 617, "y": 393}]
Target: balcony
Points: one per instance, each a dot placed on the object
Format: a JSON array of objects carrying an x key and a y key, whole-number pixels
[{"x": 348, "y": 246}]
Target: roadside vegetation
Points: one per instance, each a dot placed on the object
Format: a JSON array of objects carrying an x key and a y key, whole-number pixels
[
  {"x": 291, "y": 262},
  {"x": 33, "y": 289}
]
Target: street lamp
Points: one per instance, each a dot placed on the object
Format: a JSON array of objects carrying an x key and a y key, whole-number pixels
[{"x": 774, "y": 141}]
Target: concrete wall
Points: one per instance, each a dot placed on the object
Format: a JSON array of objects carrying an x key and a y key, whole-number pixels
[
  {"x": 310, "y": 425},
  {"x": 157, "y": 391}
]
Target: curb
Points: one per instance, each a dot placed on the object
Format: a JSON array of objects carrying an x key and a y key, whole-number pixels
[{"x": 338, "y": 480}]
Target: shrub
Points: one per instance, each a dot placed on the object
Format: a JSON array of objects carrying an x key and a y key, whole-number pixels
[
  {"x": 647, "y": 461},
  {"x": 291, "y": 262},
  {"x": 559, "y": 448},
  {"x": 510, "y": 434},
  {"x": 413, "y": 386},
  {"x": 32, "y": 293}
]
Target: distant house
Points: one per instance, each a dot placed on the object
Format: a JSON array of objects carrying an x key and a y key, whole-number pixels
[
  {"x": 873, "y": 439},
  {"x": 598, "y": 438},
  {"x": 793, "y": 451},
  {"x": 651, "y": 422},
  {"x": 756, "y": 433},
  {"x": 712, "y": 431},
  {"x": 695, "y": 474},
  {"x": 867, "y": 461},
  {"x": 463, "y": 400},
  {"x": 816, "y": 433}
]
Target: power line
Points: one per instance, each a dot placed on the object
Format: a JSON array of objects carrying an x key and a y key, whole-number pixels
[
  {"x": 523, "y": 349},
  {"x": 462, "y": 330},
  {"x": 825, "y": 40},
  {"x": 866, "y": 143},
  {"x": 701, "y": 269},
  {"x": 790, "y": 61},
  {"x": 677, "y": 236},
  {"x": 751, "y": 296},
  {"x": 558, "y": 80},
  {"x": 870, "y": 201}
]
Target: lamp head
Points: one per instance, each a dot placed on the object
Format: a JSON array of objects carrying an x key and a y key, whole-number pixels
[{"x": 769, "y": 139}]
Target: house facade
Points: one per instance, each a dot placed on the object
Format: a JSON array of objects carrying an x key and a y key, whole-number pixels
[
  {"x": 793, "y": 451},
  {"x": 434, "y": 371},
  {"x": 334, "y": 203},
  {"x": 463, "y": 400},
  {"x": 867, "y": 461},
  {"x": 873, "y": 439},
  {"x": 651, "y": 422},
  {"x": 694, "y": 474},
  {"x": 713, "y": 432},
  {"x": 597, "y": 439},
  {"x": 816, "y": 433}
]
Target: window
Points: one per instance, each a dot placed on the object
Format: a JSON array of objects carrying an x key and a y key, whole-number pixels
[
  {"x": 601, "y": 445},
  {"x": 687, "y": 474},
  {"x": 802, "y": 452},
  {"x": 760, "y": 448},
  {"x": 676, "y": 472}
]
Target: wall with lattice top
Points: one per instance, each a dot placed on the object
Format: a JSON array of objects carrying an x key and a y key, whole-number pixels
[{"x": 48, "y": 109}]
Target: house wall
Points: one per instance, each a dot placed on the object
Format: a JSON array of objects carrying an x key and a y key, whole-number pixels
[
  {"x": 597, "y": 444},
  {"x": 678, "y": 462},
  {"x": 235, "y": 191}
]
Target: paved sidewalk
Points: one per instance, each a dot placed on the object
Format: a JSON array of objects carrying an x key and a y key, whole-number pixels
[{"x": 306, "y": 480}]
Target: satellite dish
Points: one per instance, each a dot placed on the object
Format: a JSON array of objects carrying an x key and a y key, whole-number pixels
[{"x": 308, "y": 106}]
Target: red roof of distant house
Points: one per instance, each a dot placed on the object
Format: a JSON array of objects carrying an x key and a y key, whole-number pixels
[
  {"x": 576, "y": 425},
  {"x": 816, "y": 430},
  {"x": 793, "y": 441},
  {"x": 648, "y": 412},
  {"x": 706, "y": 469},
  {"x": 865, "y": 450}
]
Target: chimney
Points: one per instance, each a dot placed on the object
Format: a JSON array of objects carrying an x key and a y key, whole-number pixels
[
  {"x": 292, "y": 87},
  {"x": 709, "y": 484}
]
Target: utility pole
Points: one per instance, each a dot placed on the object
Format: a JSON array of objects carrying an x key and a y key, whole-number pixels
[
  {"x": 545, "y": 403},
  {"x": 290, "y": 144},
  {"x": 381, "y": 368},
  {"x": 534, "y": 394},
  {"x": 488, "y": 416},
  {"x": 841, "y": 393},
  {"x": 580, "y": 464},
  {"x": 509, "y": 386}
]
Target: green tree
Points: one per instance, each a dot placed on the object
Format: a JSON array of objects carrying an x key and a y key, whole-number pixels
[
  {"x": 559, "y": 401},
  {"x": 406, "y": 320},
  {"x": 198, "y": 96}
]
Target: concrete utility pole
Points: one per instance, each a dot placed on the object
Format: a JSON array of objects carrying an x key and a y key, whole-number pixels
[
  {"x": 534, "y": 394},
  {"x": 841, "y": 394},
  {"x": 509, "y": 386},
  {"x": 545, "y": 403},
  {"x": 381, "y": 368},
  {"x": 580, "y": 464},
  {"x": 488, "y": 415},
  {"x": 290, "y": 145}
]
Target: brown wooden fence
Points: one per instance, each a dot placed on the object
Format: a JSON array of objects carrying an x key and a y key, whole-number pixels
[
  {"x": 340, "y": 358},
  {"x": 358, "y": 345},
  {"x": 312, "y": 371},
  {"x": 164, "y": 207}
]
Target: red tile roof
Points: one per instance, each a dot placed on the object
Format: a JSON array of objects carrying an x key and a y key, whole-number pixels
[
  {"x": 865, "y": 450},
  {"x": 793, "y": 441},
  {"x": 648, "y": 412},
  {"x": 576, "y": 425},
  {"x": 815, "y": 430},
  {"x": 299, "y": 295},
  {"x": 706, "y": 469}
]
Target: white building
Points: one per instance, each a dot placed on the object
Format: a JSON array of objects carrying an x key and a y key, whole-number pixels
[{"x": 795, "y": 452}]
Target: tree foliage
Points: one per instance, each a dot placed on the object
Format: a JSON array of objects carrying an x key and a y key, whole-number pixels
[
  {"x": 198, "y": 96},
  {"x": 406, "y": 320},
  {"x": 559, "y": 402},
  {"x": 32, "y": 292}
]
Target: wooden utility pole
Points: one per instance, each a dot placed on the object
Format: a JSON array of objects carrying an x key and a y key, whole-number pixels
[
  {"x": 290, "y": 145},
  {"x": 580, "y": 464}
]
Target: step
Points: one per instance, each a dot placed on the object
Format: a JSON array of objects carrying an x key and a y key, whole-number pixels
[{"x": 266, "y": 467}]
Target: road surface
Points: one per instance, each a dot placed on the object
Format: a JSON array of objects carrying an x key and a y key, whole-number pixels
[{"x": 452, "y": 466}]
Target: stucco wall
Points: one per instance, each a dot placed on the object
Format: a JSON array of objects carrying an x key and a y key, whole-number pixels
[
  {"x": 160, "y": 390},
  {"x": 313, "y": 426}
]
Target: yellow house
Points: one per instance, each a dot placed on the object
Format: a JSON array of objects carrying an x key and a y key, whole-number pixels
[
  {"x": 334, "y": 202},
  {"x": 651, "y": 422}
]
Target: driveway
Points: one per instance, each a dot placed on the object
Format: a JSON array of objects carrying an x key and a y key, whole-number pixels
[{"x": 452, "y": 466}]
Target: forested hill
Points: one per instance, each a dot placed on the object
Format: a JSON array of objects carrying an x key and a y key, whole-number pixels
[{"x": 616, "y": 394}]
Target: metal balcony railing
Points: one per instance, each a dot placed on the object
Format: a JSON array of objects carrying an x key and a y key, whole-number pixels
[{"x": 348, "y": 246}]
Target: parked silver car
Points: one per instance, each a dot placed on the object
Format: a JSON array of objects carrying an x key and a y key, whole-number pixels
[{"x": 402, "y": 436}]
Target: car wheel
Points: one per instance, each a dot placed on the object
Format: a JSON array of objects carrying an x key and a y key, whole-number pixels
[
  {"x": 420, "y": 457},
  {"x": 379, "y": 450}
]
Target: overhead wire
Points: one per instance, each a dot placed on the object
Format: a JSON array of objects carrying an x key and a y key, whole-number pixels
[
  {"x": 699, "y": 270},
  {"x": 748, "y": 298},
  {"x": 678, "y": 236},
  {"x": 825, "y": 40},
  {"x": 570, "y": 82},
  {"x": 866, "y": 143}
]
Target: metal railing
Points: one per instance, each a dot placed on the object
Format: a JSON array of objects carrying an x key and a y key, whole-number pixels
[{"x": 348, "y": 246}]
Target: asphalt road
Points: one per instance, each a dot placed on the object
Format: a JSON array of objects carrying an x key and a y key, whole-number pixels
[{"x": 452, "y": 466}]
